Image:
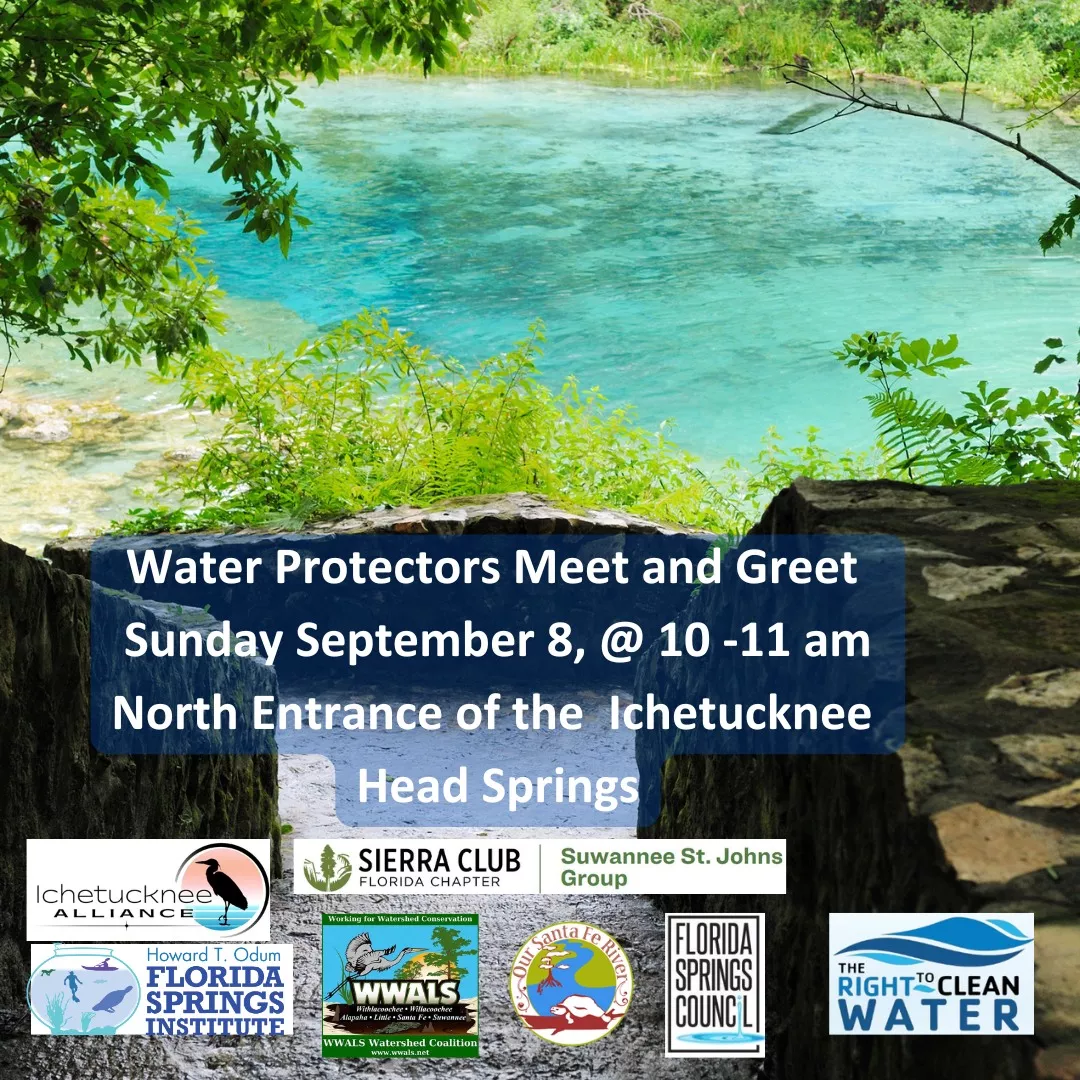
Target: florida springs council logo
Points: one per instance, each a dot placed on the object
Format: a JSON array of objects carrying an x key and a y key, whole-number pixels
[
  {"x": 571, "y": 983},
  {"x": 959, "y": 974},
  {"x": 231, "y": 885}
]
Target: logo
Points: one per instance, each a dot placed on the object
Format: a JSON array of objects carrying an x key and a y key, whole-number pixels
[
  {"x": 126, "y": 989},
  {"x": 234, "y": 883},
  {"x": 400, "y": 986},
  {"x": 333, "y": 872},
  {"x": 715, "y": 1003},
  {"x": 571, "y": 984},
  {"x": 146, "y": 890},
  {"x": 81, "y": 990},
  {"x": 942, "y": 975}
]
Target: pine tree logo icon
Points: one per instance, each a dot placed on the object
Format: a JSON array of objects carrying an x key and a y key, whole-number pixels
[{"x": 333, "y": 872}]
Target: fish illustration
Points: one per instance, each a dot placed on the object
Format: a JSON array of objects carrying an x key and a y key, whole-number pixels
[{"x": 111, "y": 1000}]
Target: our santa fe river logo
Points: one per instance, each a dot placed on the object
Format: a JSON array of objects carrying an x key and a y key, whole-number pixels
[{"x": 571, "y": 983}]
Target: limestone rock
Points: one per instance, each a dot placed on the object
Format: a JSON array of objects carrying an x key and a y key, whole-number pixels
[
  {"x": 1042, "y": 756},
  {"x": 1058, "y": 688},
  {"x": 50, "y": 430},
  {"x": 993, "y": 682},
  {"x": 56, "y": 784},
  {"x": 1066, "y": 797},
  {"x": 923, "y": 774},
  {"x": 1057, "y": 977},
  {"x": 986, "y": 846},
  {"x": 951, "y": 581}
]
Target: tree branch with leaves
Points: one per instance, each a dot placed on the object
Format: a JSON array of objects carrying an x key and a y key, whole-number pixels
[
  {"x": 993, "y": 437},
  {"x": 92, "y": 90}
]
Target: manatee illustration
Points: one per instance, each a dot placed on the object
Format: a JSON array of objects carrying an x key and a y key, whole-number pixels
[
  {"x": 576, "y": 1006},
  {"x": 112, "y": 999}
]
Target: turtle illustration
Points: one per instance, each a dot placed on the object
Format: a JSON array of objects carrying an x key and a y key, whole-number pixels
[
  {"x": 577, "y": 1006},
  {"x": 111, "y": 1000}
]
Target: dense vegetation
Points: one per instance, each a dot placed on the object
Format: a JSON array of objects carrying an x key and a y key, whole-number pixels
[
  {"x": 1026, "y": 50},
  {"x": 365, "y": 416},
  {"x": 90, "y": 88}
]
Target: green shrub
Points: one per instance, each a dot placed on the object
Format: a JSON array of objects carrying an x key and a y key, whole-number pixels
[
  {"x": 565, "y": 19},
  {"x": 992, "y": 438},
  {"x": 364, "y": 416},
  {"x": 1017, "y": 50}
]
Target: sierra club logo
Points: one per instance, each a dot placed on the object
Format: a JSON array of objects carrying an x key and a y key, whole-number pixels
[
  {"x": 571, "y": 983},
  {"x": 238, "y": 882},
  {"x": 332, "y": 873},
  {"x": 954, "y": 975}
]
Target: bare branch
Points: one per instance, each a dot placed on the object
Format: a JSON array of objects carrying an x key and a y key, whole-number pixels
[
  {"x": 847, "y": 110},
  {"x": 1031, "y": 121},
  {"x": 857, "y": 99},
  {"x": 967, "y": 70},
  {"x": 959, "y": 66},
  {"x": 843, "y": 49},
  {"x": 937, "y": 104}
]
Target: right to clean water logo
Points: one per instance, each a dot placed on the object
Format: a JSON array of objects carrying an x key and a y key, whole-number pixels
[{"x": 896, "y": 974}]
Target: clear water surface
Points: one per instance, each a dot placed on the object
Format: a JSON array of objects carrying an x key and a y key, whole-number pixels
[{"x": 680, "y": 257}]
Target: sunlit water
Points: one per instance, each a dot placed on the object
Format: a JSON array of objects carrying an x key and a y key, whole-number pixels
[{"x": 680, "y": 257}]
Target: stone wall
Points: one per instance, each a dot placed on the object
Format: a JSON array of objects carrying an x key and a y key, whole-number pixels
[
  {"x": 53, "y": 784},
  {"x": 980, "y": 811},
  {"x": 491, "y": 515}
]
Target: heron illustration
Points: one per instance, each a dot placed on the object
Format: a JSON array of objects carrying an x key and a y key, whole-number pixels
[
  {"x": 225, "y": 887},
  {"x": 361, "y": 960}
]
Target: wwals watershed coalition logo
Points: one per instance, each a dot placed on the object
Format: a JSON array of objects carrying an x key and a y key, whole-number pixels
[
  {"x": 931, "y": 975},
  {"x": 146, "y": 890},
  {"x": 571, "y": 983}
]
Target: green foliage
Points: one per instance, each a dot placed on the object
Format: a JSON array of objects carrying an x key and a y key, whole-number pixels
[
  {"x": 661, "y": 39},
  {"x": 748, "y": 490},
  {"x": 1062, "y": 226},
  {"x": 363, "y": 417},
  {"x": 1024, "y": 51},
  {"x": 90, "y": 89},
  {"x": 450, "y": 946},
  {"x": 1014, "y": 51},
  {"x": 993, "y": 438},
  {"x": 333, "y": 872}
]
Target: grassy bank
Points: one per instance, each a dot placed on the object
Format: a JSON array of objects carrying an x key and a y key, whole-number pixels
[{"x": 1026, "y": 52}]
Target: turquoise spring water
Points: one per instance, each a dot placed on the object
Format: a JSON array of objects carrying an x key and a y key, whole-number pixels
[{"x": 682, "y": 258}]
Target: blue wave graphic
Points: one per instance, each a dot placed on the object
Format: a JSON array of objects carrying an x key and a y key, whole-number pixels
[
  {"x": 891, "y": 958},
  {"x": 961, "y": 941}
]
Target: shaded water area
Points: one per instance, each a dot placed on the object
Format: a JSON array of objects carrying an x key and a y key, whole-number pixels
[{"x": 681, "y": 257}]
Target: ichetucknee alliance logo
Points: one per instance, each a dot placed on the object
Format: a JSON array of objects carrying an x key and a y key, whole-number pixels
[
  {"x": 146, "y": 890},
  {"x": 931, "y": 974}
]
